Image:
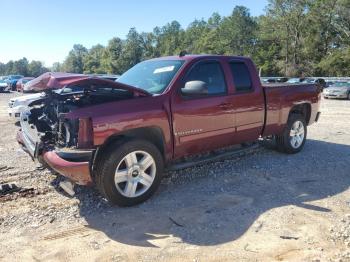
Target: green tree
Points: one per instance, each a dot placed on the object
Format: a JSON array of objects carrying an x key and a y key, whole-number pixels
[
  {"x": 93, "y": 60},
  {"x": 288, "y": 19},
  {"x": 292, "y": 38},
  {"x": 210, "y": 42},
  {"x": 237, "y": 32},
  {"x": 10, "y": 70},
  {"x": 56, "y": 67},
  {"x": 336, "y": 63},
  {"x": 74, "y": 61},
  {"x": 268, "y": 48},
  {"x": 149, "y": 43},
  {"x": 2, "y": 69},
  {"x": 111, "y": 56},
  {"x": 21, "y": 67},
  {"x": 170, "y": 39},
  {"x": 132, "y": 51},
  {"x": 194, "y": 35},
  {"x": 36, "y": 68}
]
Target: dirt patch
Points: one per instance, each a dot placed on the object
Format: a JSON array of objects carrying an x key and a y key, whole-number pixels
[{"x": 265, "y": 206}]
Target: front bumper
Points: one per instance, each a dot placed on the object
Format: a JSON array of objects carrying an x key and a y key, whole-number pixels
[
  {"x": 14, "y": 113},
  {"x": 73, "y": 164},
  {"x": 78, "y": 172}
]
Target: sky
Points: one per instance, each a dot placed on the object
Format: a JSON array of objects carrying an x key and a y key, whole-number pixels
[{"x": 47, "y": 30}]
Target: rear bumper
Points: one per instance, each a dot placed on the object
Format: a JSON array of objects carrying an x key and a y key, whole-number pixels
[{"x": 73, "y": 164}]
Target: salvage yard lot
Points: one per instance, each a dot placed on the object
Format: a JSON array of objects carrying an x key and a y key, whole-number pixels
[{"x": 264, "y": 206}]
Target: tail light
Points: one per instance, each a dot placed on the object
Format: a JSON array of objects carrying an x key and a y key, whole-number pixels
[{"x": 85, "y": 133}]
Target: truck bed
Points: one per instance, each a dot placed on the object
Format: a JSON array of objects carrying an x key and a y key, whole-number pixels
[
  {"x": 272, "y": 85},
  {"x": 281, "y": 97}
]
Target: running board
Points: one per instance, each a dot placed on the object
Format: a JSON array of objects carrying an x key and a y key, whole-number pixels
[{"x": 215, "y": 156}]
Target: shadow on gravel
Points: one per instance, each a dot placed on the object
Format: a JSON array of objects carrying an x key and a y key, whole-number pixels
[{"x": 225, "y": 199}]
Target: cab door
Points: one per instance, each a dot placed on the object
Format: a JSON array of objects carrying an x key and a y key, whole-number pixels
[
  {"x": 248, "y": 100},
  {"x": 205, "y": 122}
]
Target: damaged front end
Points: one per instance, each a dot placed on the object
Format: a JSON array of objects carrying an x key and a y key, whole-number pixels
[
  {"x": 50, "y": 134},
  {"x": 66, "y": 145}
]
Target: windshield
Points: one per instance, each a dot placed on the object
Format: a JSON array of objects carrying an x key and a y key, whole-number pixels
[
  {"x": 341, "y": 84},
  {"x": 152, "y": 76}
]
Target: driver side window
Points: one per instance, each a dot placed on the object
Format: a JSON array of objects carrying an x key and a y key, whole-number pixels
[{"x": 211, "y": 74}]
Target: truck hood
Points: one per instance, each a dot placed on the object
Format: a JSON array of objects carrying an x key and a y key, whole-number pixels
[{"x": 52, "y": 81}]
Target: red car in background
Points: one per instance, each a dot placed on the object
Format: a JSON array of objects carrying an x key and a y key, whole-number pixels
[{"x": 21, "y": 82}]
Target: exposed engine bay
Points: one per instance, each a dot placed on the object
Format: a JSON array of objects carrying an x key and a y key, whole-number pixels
[{"x": 45, "y": 121}]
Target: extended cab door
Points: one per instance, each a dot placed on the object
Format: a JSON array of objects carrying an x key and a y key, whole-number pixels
[
  {"x": 248, "y": 100},
  {"x": 202, "y": 122}
]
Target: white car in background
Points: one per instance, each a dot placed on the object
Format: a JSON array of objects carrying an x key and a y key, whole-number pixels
[
  {"x": 338, "y": 90},
  {"x": 3, "y": 85},
  {"x": 20, "y": 104}
]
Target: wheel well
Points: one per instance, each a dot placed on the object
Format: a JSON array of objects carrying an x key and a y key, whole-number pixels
[
  {"x": 151, "y": 134},
  {"x": 302, "y": 109}
]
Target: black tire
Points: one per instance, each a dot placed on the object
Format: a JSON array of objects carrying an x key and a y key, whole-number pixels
[
  {"x": 349, "y": 96},
  {"x": 284, "y": 142},
  {"x": 108, "y": 162}
]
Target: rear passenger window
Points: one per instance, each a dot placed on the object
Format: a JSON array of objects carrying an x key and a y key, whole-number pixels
[
  {"x": 241, "y": 77},
  {"x": 210, "y": 73}
]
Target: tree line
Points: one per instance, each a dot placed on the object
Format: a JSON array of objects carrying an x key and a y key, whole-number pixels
[
  {"x": 23, "y": 67},
  {"x": 292, "y": 38}
]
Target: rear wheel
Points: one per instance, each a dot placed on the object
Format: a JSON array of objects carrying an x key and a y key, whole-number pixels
[
  {"x": 294, "y": 135},
  {"x": 130, "y": 172}
]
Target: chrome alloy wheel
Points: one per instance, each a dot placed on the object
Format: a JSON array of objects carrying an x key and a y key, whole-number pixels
[
  {"x": 135, "y": 174},
  {"x": 297, "y": 134}
]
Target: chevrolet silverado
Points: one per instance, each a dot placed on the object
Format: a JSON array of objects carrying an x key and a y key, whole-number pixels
[{"x": 121, "y": 135}]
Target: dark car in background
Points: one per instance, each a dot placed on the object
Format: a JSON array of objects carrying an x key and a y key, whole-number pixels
[
  {"x": 21, "y": 82},
  {"x": 12, "y": 81},
  {"x": 274, "y": 80},
  {"x": 319, "y": 81}
]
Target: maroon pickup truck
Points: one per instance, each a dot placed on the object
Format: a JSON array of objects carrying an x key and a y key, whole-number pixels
[{"x": 121, "y": 135}]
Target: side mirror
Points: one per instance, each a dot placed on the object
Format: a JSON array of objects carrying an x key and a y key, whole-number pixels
[{"x": 195, "y": 88}]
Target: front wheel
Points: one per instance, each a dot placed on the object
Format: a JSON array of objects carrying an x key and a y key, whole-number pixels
[
  {"x": 294, "y": 135},
  {"x": 130, "y": 172}
]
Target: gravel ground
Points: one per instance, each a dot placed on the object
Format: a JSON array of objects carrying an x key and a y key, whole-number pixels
[{"x": 264, "y": 206}]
